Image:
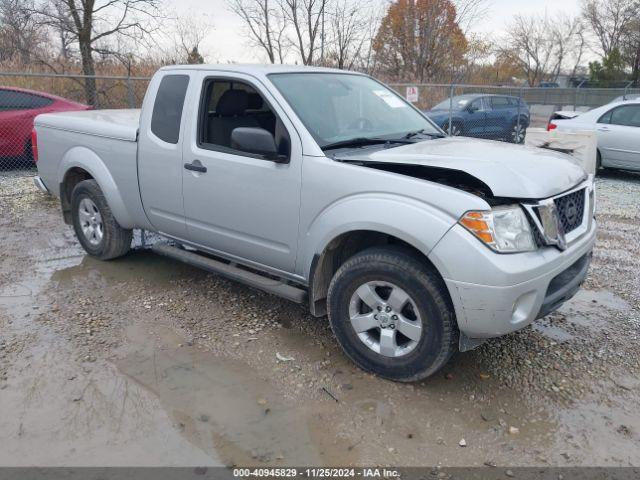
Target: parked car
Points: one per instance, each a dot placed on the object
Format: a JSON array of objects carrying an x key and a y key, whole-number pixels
[
  {"x": 617, "y": 126},
  {"x": 350, "y": 200},
  {"x": 549, "y": 85},
  {"x": 483, "y": 116},
  {"x": 18, "y": 108}
]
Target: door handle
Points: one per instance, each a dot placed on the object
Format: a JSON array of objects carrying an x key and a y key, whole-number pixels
[
  {"x": 195, "y": 167},
  {"x": 603, "y": 129}
]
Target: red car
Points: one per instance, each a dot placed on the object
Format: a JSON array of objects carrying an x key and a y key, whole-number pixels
[{"x": 18, "y": 108}]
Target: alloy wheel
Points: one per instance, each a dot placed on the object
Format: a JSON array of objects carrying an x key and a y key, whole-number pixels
[{"x": 385, "y": 318}]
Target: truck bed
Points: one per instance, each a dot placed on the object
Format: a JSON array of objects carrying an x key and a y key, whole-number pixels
[{"x": 116, "y": 124}]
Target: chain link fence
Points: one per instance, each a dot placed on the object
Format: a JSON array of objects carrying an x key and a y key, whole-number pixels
[
  {"x": 496, "y": 112},
  {"x": 502, "y": 112},
  {"x": 23, "y": 96}
]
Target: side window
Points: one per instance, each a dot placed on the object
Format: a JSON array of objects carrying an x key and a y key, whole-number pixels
[
  {"x": 499, "y": 103},
  {"x": 167, "y": 109},
  {"x": 14, "y": 100},
  {"x": 477, "y": 105},
  {"x": 628, "y": 115},
  {"x": 227, "y": 105},
  {"x": 606, "y": 118}
]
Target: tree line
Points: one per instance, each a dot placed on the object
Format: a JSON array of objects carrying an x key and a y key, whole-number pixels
[{"x": 398, "y": 40}]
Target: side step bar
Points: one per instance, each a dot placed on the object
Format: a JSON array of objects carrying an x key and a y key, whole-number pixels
[{"x": 232, "y": 272}]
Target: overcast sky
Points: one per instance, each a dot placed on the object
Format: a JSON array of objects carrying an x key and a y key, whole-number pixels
[{"x": 225, "y": 42}]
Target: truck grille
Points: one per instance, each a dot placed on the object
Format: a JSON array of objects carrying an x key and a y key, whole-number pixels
[{"x": 571, "y": 210}]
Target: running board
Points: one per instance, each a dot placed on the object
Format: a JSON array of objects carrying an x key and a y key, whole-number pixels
[{"x": 266, "y": 284}]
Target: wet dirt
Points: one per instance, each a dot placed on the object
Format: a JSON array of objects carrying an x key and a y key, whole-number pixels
[{"x": 145, "y": 361}]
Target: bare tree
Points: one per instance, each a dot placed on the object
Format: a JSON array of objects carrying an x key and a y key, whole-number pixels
[
  {"x": 265, "y": 25},
  {"x": 90, "y": 23},
  {"x": 348, "y": 32},
  {"x": 470, "y": 12},
  {"x": 307, "y": 20},
  {"x": 20, "y": 34},
  {"x": 541, "y": 47},
  {"x": 190, "y": 32},
  {"x": 609, "y": 20},
  {"x": 631, "y": 48},
  {"x": 569, "y": 37}
]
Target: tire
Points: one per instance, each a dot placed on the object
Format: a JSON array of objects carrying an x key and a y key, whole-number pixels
[
  {"x": 429, "y": 304},
  {"x": 456, "y": 129},
  {"x": 97, "y": 230},
  {"x": 599, "y": 167},
  {"x": 518, "y": 132}
]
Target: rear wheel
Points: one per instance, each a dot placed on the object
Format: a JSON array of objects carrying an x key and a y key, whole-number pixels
[
  {"x": 392, "y": 315},
  {"x": 518, "y": 133},
  {"x": 96, "y": 228}
]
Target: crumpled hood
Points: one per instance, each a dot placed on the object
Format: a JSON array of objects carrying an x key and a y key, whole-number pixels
[{"x": 508, "y": 170}]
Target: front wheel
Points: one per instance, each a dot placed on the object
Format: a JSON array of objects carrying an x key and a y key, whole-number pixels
[
  {"x": 392, "y": 315},
  {"x": 96, "y": 228},
  {"x": 456, "y": 129}
]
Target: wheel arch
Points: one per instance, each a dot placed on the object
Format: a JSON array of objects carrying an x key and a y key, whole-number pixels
[
  {"x": 81, "y": 163},
  {"x": 341, "y": 248}
]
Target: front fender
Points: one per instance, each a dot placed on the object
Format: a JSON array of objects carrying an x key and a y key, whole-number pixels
[
  {"x": 86, "y": 159},
  {"x": 416, "y": 223}
]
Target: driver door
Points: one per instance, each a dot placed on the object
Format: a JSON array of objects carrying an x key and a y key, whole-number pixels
[
  {"x": 476, "y": 118},
  {"x": 238, "y": 204}
]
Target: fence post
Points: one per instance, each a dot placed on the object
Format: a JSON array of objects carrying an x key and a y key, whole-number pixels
[
  {"x": 575, "y": 97},
  {"x": 626, "y": 90},
  {"x": 517, "y": 135},
  {"x": 131, "y": 99},
  {"x": 451, "y": 93}
]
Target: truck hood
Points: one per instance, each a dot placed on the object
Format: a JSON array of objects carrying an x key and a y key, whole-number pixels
[
  {"x": 116, "y": 124},
  {"x": 508, "y": 170}
]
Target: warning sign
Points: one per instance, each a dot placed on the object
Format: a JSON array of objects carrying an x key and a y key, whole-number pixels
[{"x": 412, "y": 94}]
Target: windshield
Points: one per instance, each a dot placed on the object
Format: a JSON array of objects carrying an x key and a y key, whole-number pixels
[
  {"x": 338, "y": 107},
  {"x": 458, "y": 104}
]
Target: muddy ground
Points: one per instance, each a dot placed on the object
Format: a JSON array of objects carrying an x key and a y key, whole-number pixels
[{"x": 145, "y": 361}]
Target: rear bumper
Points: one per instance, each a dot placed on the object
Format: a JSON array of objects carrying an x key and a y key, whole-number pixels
[
  {"x": 508, "y": 292},
  {"x": 37, "y": 181}
]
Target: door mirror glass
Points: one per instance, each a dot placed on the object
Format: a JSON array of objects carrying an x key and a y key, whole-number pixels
[{"x": 257, "y": 141}]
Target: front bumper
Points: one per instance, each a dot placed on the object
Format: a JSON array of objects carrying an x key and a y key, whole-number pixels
[{"x": 496, "y": 294}]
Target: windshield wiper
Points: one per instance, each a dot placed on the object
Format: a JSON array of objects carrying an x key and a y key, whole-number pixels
[
  {"x": 422, "y": 132},
  {"x": 362, "y": 141}
]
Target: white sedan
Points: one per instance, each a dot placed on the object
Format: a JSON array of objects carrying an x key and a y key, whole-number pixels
[{"x": 617, "y": 126}]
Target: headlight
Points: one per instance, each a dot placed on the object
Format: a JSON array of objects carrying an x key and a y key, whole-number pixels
[{"x": 503, "y": 229}]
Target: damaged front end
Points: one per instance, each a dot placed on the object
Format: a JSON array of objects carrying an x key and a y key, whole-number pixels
[{"x": 555, "y": 221}]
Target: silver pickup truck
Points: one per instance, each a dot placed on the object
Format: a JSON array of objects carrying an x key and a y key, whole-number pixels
[{"x": 328, "y": 188}]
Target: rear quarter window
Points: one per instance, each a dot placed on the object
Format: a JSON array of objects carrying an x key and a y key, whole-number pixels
[{"x": 167, "y": 109}]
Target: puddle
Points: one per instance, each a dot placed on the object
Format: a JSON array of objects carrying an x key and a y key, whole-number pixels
[
  {"x": 592, "y": 301},
  {"x": 55, "y": 411},
  {"x": 139, "y": 265},
  {"x": 221, "y": 405},
  {"x": 587, "y": 309},
  {"x": 590, "y": 308},
  {"x": 551, "y": 331}
]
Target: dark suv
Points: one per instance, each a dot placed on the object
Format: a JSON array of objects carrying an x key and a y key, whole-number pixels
[{"x": 484, "y": 116}]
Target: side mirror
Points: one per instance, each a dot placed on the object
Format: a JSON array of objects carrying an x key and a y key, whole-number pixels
[
  {"x": 472, "y": 109},
  {"x": 258, "y": 141}
]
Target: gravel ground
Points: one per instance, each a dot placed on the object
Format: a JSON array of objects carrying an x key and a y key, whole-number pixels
[{"x": 562, "y": 392}]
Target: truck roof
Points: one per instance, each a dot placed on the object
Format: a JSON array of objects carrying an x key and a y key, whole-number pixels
[{"x": 253, "y": 69}]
